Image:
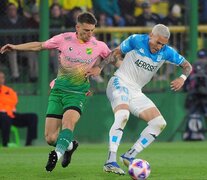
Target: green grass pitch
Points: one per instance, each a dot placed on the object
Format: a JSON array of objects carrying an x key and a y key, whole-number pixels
[{"x": 168, "y": 161}]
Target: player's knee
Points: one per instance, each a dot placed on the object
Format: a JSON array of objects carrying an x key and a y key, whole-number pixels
[
  {"x": 121, "y": 118},
  {"x": 50, "y": 139},
  {"x": 158, "y": 122}
]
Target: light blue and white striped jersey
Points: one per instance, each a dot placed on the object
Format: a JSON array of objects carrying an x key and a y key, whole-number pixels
[{"x": 139, "y": 64}]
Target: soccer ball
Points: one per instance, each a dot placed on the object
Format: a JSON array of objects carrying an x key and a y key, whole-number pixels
[{"x": 139, "y": 169}]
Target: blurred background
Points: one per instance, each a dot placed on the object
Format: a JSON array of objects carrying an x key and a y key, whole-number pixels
[{"x": 29, "y": 73}]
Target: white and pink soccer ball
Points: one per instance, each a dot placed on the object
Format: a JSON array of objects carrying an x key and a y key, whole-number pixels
[{"x": 139, "y": 169}]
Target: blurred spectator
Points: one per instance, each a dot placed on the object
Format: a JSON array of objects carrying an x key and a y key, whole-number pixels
[
  {"x": 111, "y": 9},
  {"x": 85, "y": 5},
  {"x": 29, "y": 6},
  {"x": 13, "y": 21},
  {"x": 196, "y": 85},
  {"x": 200, "y": 65},
  {"x": 138, "y": 9},
  {"x": 19, "y": 5},
  {"x": 3, "y": 5},
  {"x": 57, "y": 23},
  {"x": 70, "y": 18},
  {"x": 56, "y": 17},
  {"x": 127, "y": 8},
  {"x": 9, "y": 116},
  {"x": 34, "y": 21},
  {"x": 174, "y": 18},
  {"x": 104, "y": 21},
  {"x": 32, "y": 57},
  {"x": 160, "y": 7},
  {"x": 147, "y": 18},
  {"x": 24, "y": 7},
  {"x": 202, "y": 11},
  {"x": 196, "y": 100}
]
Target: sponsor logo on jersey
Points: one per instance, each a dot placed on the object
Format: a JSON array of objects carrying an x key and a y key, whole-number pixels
[
  {"x": 145, "y": 65},
  {"x": 94, "y": 43},
  {"x": 86, "y": 61},
  {"x": 68, "y": 38}
]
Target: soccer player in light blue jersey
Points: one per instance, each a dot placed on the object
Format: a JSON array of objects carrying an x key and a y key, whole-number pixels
[{"x": 144, "y": 55}]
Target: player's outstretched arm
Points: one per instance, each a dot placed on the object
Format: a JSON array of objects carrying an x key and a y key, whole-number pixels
[
  {"x": 179, "y": 82},
  {"x": 31, "y": 46}
]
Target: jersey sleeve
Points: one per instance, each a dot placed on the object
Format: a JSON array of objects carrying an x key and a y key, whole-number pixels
[
  {"x": 105, "y": 50},
  {"x": 129, "y": 44},
  {"x": 174, "y": 57},
  {"x": 54, "y": 42}
]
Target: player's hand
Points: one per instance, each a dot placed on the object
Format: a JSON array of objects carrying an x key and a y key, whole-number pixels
[
  {"x": 177, "y": 84},
  {"x": 7, "y": 47},
  {"x": 94, "y": 71}
]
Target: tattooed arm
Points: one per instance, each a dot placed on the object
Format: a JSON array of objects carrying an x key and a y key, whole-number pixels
[
  {"x": 115, "y": 58},
  {"x": 187, "y": 68},
  {"x": 178, "y": 82}
]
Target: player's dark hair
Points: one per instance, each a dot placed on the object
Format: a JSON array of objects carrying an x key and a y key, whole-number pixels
[{"x": 87, "y": 17}]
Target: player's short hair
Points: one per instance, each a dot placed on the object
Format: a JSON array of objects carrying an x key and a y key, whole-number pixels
[
  {"x": 162, "y": 30},
  {"x": 86, "y": 17}
]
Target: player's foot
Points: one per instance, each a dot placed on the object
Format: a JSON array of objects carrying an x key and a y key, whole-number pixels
[
  {"x": 114, "y": 168},
  {"x": 125, "y": 160},
  {"x": 68, "y": 154},
  {"x": 51, "y": 163}
]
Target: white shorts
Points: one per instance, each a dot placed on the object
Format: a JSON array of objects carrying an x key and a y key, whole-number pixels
[{"x": 118, "y": 92}]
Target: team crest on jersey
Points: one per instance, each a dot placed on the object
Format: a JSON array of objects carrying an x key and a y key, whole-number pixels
[
  {"x": 88, "y": 50},
  {"x": 159, "y": 58},
  {"x": 141, "y": 50}
]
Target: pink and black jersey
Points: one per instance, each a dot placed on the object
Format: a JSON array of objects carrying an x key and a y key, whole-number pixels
[{"x": 75, "y": 58}]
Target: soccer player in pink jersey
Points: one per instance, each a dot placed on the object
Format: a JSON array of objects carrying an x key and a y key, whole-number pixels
[{"x": 80, "y": 53}]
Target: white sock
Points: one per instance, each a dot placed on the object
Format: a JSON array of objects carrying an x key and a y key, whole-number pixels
[
  {"x": 148, "y": 135},
  {"x": 70, "y": 147},
  {"x": 135, "y": 149},
  {"x": 111, "y": 157},
  {"x": 59, "y": 155},
  {"x": 116, "y": 131}
]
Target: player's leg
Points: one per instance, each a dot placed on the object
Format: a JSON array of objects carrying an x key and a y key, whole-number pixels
[
  {"x": 70, "y": 125},
  {"x": 60, "y": 138},
  {"x": 118, "y": 96},
  {"x": 68, "y": 153},
  {"x": 65, "y": 137},
  {"x": 121, "y": 116},
  {"x": 155, "y": 125},
  {"x": 74, "y": 106},
  {"x": 52, "y": 127},
  {"x": 115, "y": 135}
]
